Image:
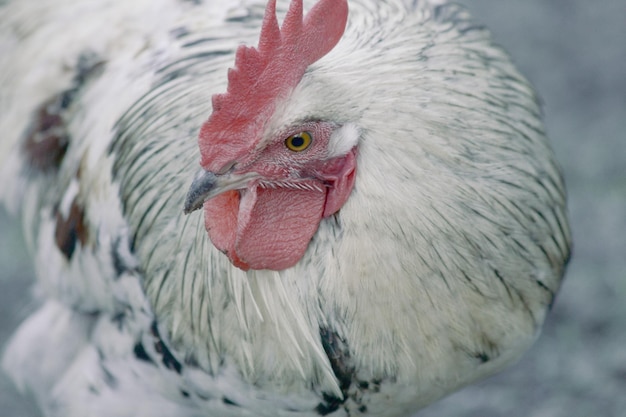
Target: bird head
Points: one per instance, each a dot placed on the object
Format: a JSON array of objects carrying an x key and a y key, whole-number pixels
[{"x": 266, "y": 184}]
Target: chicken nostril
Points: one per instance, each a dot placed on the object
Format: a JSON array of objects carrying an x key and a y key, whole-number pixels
[{"x": 227, "y": 168}]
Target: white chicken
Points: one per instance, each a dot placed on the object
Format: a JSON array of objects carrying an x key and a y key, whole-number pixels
[{"x": 376, "y": 221}]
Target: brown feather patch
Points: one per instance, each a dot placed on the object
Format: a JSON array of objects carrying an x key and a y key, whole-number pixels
[
  {"x": 70, "y": 231},
  {"x": 47, "y": 138}
]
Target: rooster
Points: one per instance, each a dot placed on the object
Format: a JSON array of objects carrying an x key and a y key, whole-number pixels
[{"x": 360, "y": 216}]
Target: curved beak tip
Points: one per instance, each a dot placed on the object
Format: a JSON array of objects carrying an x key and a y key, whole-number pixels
[{"x": 199, "y": 191}]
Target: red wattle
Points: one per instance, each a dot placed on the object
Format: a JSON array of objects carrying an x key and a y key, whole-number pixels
[
  {"x": 276, "y": 226},
  {"x": 220, "y": 220},
  {"x": 264, "y": 228}
]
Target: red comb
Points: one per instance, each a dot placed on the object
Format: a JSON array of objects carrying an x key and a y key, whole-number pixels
[{"x": 264, "y": 75}]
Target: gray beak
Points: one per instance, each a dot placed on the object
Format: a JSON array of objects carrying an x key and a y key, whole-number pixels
[
  {"x": 207, "y": 185},
  {"x": 200, "y": 191}
]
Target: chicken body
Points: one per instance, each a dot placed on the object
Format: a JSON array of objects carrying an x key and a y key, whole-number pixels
[{"x": 437, "y": 271}]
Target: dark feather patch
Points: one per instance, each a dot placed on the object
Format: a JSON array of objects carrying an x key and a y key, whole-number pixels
[
  {"x": 489, "y": 349},
  {"x": 140, "y": 353},
  {"x": 71, "y": 230},
  {"x": 228, "y": 401},
  {"x": 339, "y": 356},
  {"x": 169, "y": 360},
  {"x": 330, "y": 404},
  {"x": 47, "y": 138}
]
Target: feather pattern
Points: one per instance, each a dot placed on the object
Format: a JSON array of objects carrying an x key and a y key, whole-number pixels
[{"x": 437, "y": 271}]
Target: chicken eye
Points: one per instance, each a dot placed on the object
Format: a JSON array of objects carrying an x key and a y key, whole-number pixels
[{"x": 299, "y": 142}]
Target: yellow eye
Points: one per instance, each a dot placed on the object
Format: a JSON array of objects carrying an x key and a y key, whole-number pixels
[{"x": 299, "y": 142}]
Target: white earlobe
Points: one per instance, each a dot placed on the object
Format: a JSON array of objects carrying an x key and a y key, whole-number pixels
[{"x": 343, "y": 139}]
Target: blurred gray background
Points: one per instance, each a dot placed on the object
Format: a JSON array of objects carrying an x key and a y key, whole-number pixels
[{"x": 574, "y": 52}]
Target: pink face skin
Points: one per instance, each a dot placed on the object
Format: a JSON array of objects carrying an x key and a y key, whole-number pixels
[{"x": 268, "y": 222}]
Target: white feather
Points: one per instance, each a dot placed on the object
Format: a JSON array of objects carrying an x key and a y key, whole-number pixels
[{"x": 343, "y": 139}]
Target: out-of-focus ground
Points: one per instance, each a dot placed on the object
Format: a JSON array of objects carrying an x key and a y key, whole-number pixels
[{"x": 573, "y": 52}]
